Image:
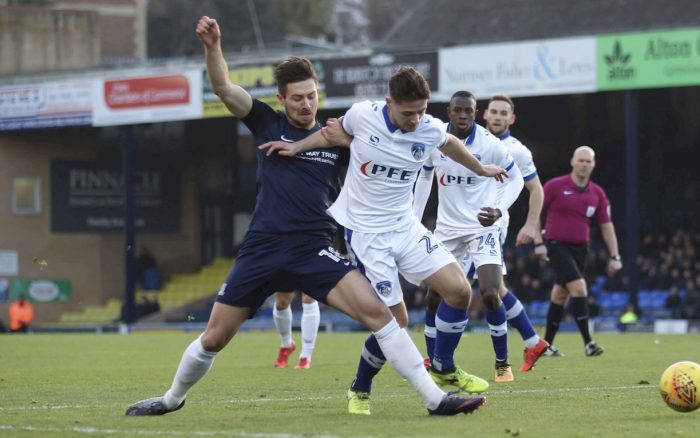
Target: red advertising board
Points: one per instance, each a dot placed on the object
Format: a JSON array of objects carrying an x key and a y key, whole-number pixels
[{"x": 147, "y": 92}]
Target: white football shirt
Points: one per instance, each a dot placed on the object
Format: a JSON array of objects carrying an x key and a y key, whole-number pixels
[
  {"x": 384, "y": 163},
  {"x": 523, "y": 159},
  {"x": 461, "y": 192}
]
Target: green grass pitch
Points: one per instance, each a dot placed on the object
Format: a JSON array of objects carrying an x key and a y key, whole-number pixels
[{"x": 80, "y": 385}]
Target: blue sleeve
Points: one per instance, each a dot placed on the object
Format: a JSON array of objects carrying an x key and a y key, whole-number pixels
[{"x": 259, "y": 117}]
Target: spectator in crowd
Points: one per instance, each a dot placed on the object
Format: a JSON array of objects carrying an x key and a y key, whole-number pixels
[
  {"x": 628, "y": 317},
  {"x": 147, "y": 273},
  {"x": 21, "y": 315},
  {"x": 691, "y": 301},
  {"x": 147, "y": 306},
  {"x": 648, "y": 247},
  {"x": 674, "y": 303}
]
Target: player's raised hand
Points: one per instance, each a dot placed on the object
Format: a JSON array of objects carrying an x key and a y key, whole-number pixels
[
  {"x": 495, "y": 171},
  {"x": 281, "y": 147},
  {"x": 334, "y": 133},
  {"x": 208, "y": 31}
]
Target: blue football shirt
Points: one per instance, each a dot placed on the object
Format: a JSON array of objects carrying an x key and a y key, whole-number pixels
[{"x": 293, "y": 192}]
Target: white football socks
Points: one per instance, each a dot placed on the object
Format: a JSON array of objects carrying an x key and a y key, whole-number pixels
[
  {"x": 310, "y": 320},
  {"x": 193, "y": 366},
  {"x": 404, "y": 356},
  {"x": 283, "y": 324}
]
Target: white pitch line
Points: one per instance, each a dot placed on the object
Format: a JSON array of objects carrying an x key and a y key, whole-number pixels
[
  {"x": 244, "y": 434},
  {"x": 134, "y": 432},
  {"x": 504, "y": 392}
]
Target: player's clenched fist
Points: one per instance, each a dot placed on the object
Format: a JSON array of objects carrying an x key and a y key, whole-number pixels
[{"x": 208, "y": 31}]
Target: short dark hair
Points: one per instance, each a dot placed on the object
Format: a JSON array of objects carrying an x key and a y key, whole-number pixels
[
  {"x": 407, "y": 84},
  {"x": 466, "y": 94},
  {"x": 293, "y": 69},
  {"x": 504, "y": 98}
]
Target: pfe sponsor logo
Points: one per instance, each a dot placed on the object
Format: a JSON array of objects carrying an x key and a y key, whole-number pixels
[
  {"x": 373, "y": 169},
  {"x": 452, "y": 180}
]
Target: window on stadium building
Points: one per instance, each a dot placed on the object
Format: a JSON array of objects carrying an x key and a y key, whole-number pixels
[{"x": 26, "y": 195}]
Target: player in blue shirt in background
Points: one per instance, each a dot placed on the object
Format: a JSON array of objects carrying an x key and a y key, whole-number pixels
[{"x": 289, "y": 244}]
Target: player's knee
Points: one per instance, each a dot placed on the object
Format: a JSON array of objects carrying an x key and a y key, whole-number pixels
[
  {"x": 579, "y": 292},
  {"x": 432, "y": 301},
  {"x": 491, "y": 299},
  {"x": 305, "y": 299},
  {"x": 213, "y": 341},
  {"x": 402, "y": 321},
  {"x": 375, "y": 317},
  {"x": 459, "y": 295},
  {"x": 283, "y": 300}
]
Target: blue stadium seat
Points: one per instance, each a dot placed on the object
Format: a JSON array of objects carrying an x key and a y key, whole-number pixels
[
  {"x": 538, "y": 309},
  {"x": 612, "y": 303},
  {"x": 659, "y": 298},
  {"x": 645, "y": 300}
]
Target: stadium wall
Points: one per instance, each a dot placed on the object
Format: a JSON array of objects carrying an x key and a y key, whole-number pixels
[
  {"x": 40, "y": 40},
  {"x": 92, "y": 262}
]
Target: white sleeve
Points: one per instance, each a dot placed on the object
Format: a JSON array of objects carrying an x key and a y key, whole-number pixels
[
  {"x": 523, "y": 159},
  {"x": 442, "y": 127},
  {"x": 509, "y": 190},
  {"x": 353, "y": 115},
  {"x": 421, "y": 193}
]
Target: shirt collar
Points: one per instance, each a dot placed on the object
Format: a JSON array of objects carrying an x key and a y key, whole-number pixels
[
  {"x": 470, "y": 138},
  {"x": 390, "y": 126}
]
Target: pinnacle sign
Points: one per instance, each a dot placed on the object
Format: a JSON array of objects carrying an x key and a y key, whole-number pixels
[{"x": 648, "y": 60}]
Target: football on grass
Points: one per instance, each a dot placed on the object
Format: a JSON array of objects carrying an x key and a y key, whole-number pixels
[{"x": 679, "y": 386}]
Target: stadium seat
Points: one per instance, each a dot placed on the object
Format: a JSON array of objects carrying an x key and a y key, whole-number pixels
[{"x": 179, "y": 290}]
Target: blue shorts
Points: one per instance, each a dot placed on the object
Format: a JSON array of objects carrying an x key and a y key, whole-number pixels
[{"x": 277, "y": 262}]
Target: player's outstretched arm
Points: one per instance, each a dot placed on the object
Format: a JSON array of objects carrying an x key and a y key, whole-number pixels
[
  {"x": 331, "y": 135},
  {"x": 454, "y": 149},
  {"x": 335, "y": 134},
  {"x": 314, "y": 141},
  {"x": 421, "y": 192},
  {"x": 236, "y": 99}
]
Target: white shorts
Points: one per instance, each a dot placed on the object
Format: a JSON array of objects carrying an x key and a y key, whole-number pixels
[
  {"x": 474, "y": 250},
  {"x": 414, "y": 252}
]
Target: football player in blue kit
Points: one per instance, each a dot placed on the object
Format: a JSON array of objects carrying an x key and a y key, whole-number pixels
[{"x": 289, "y": 244}]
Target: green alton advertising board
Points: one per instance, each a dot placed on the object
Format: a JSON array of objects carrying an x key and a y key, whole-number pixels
[{"x": 649, "y": 60}]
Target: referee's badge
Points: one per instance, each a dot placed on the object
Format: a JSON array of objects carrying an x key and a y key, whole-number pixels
[{"x": 590, "y": 211}]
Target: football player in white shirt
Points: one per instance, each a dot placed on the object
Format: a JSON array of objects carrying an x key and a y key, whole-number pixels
[
  {"x": 499, "y": 117},
  {"x": 391, "y": 140},
  {"x": 468, "y": 208}
]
